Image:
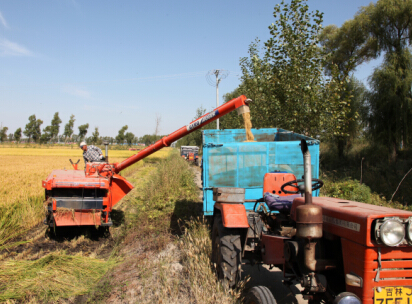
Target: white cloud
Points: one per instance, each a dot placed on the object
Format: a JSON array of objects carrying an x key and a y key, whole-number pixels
[
  {"x": 77, "y": 91},
  {"x": 3, "y": 21},
  {"x": 9, "y": 48}
]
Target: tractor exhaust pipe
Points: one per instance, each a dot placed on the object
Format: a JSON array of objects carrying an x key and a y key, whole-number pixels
[
  {"x": 307, "y": 172},
  {"x": 106, "y": 150},
  {"x": 309, "y": 220}
]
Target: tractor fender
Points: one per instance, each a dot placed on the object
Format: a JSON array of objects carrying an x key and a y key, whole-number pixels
[{"x": 233, "y": 215}]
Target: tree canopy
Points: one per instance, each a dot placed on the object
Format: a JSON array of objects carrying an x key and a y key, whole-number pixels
[
  {"x": 68, "y": 128},
  {"x": 380, "y": 28},
  {"x": 95, "y": 136},
  {"x": 32, "y": 130},
  {"x": 286, "y": 79},
  {"x": 17, "y": 134},
  {"x": 120, "y": 136},
  {"x": 83, "y": 131},
  {"x": 3, "y": 134}
]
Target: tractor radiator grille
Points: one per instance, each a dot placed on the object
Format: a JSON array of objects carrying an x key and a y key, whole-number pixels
[{"x": 377, "y": 266}]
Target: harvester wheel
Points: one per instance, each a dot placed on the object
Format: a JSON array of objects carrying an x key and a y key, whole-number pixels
[
  {"x": 259, "y": 295},
  {"x": 226, "y": 253}
]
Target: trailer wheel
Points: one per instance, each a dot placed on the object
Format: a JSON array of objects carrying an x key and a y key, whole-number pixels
[
  {"x": 226, "y": 253},
  {"x": 259, "y": 295}
]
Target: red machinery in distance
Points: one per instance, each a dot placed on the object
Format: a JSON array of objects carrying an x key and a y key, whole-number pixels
[{"x": 83, "y": 198}]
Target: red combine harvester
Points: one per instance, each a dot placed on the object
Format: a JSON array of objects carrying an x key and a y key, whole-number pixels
[{"x": 86, "y": 197}]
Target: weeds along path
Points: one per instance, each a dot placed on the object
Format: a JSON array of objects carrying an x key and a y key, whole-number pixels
[{"x": 163, "y": 246}]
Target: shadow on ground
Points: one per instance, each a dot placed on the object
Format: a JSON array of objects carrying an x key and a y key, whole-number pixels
[{"x": 184, "y": 211}]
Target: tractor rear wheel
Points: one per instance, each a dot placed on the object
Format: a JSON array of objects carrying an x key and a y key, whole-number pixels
[
  {"x": 226, "y": 253},
  {"x": 259, "y": 295}
]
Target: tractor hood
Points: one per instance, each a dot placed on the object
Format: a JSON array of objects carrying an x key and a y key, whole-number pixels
[{"x": 348, "y": 219}]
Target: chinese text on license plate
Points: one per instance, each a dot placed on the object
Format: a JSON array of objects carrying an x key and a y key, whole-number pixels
[{"x": 393, "y": 295}]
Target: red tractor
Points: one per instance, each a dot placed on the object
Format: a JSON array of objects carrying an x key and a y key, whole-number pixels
[
  {"x": 86, "y": 197},
  {"x": 340, "y": 251},
  {"x": 190, "y": 153}
]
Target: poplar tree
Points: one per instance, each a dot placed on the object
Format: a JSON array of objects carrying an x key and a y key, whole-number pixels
[
  {"x": 286, "y": 79},
  {"x": 68, "y": 128}
]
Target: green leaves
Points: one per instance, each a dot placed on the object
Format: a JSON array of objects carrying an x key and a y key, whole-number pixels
[
  {"x": 32, "y": 130},
  {"x": 68, "y": 128}
]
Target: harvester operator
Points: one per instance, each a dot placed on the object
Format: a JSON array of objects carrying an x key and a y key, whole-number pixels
[{"x": 91, "y": 153}]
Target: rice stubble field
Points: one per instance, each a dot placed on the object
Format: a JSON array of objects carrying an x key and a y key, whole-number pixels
[{"x": 157, "y": 251}]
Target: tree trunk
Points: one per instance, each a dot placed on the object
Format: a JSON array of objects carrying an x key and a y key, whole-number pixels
[{"x": 341, "y": 146}]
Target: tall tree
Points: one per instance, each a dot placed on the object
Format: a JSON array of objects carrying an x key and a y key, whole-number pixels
[
  {"x": 68, "y": 128},
  {"x": 129, "y": 137},
  {"x": 32, "y": 130},
  {"x": 95, "y": 136},
  {"x": 83, "y": 131},
  {"x": 381, "y": 27},
  {"x": 17, "y": 134},
  {"x": 55, "y": 127},
  {"x": 120, "y": 136},
  {"x": 47, "y": 135},
  {"x": 11, "y": 137},
  {"x": 390, "y": 102},
  {"x": 390, "y": 24},
  {"x": 288, "y": 83},
  {"x": 3, "y": 134},
  {"x": 347, "y": 46}
]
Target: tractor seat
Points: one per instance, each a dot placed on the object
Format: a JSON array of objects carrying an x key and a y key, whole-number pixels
[{"x": 283, "y": 204}]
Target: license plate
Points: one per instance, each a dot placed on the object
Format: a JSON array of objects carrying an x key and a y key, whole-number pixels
[{"x": 393, "y": 295}]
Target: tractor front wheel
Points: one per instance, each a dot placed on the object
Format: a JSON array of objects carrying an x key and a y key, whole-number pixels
[
  {"x": 259, "y": 295},
  {"x": 226, "y": 253}
]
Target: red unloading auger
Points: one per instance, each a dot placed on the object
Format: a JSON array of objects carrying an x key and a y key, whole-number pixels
[
  {"x": 241, "y": 104},
  {"x": 95, "y": 211}
]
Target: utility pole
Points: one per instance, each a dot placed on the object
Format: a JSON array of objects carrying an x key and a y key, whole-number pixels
[{"x": 220, "y": 74}]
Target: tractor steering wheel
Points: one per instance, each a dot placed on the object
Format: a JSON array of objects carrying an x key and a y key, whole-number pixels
[{"x": 301, "y": 188}]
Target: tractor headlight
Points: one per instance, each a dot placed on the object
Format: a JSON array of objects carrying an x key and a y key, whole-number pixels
[
  {"x": 409, "y": 229},
  {"x": 347, "y": 298},
  {"x": 391, "y": 232}
]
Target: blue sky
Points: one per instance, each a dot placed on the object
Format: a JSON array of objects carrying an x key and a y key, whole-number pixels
[{"x": 112, "y": 63}]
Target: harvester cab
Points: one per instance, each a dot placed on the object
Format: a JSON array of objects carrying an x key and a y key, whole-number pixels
[{"x": 86, "y": 197}]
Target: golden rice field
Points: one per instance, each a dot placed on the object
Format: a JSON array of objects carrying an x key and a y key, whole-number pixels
[{"x": 23, "y": 169}]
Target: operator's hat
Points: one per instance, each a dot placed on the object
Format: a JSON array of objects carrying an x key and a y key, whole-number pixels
[{"x": 82, "y": 144}]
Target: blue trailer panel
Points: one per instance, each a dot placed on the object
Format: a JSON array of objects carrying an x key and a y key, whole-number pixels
[{"x": 229, "y": 161}]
